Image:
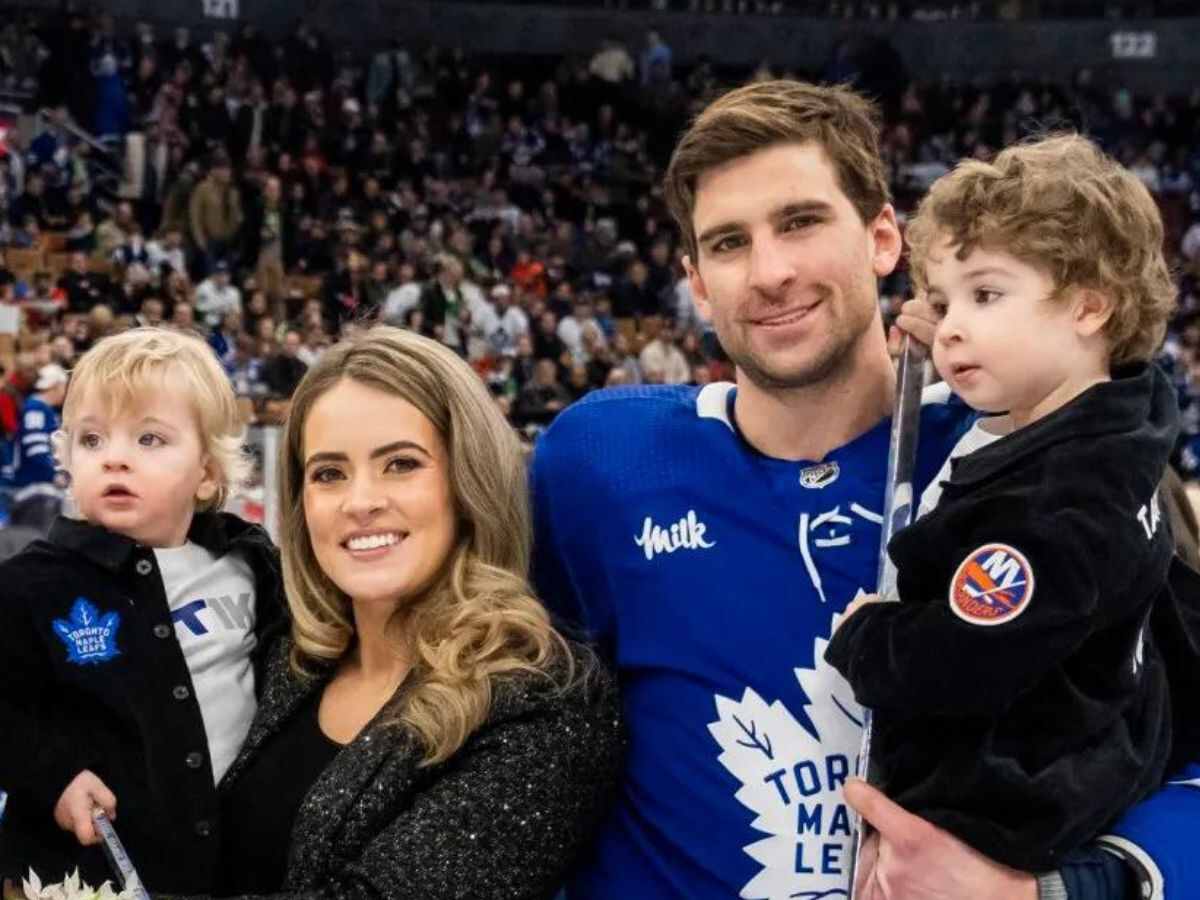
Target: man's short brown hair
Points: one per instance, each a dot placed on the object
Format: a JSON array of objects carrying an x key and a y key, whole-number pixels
[
  {"x": 1062, "y": 205},
  {"x": 765, "y": 113}
]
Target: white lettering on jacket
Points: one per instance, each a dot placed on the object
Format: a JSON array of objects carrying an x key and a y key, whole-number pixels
[{"x": 1150, "y": 515}]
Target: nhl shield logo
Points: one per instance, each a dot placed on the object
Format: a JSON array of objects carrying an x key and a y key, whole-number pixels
[
  {"x": 820, "y": 475},
  {"x": 993, "y": 585},
  {"x": 91, "y": 638}
]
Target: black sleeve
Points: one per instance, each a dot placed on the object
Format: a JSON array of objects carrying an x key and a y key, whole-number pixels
[
  {"x": 271, "y": 619},
  {"x": 1175, "y": 625},
  {"x": 918, "y": 657},
  {"x": 42, "y": 748}
]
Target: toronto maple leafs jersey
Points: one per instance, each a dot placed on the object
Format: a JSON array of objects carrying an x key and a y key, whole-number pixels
[
  {"x": 710, "y": 576},
  {"x": 32, "y": 459}
]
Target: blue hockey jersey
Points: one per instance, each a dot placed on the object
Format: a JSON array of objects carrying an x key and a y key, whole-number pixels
[
  {"x": 711, "y": 577},
  {"x": 32, "y": 460}
]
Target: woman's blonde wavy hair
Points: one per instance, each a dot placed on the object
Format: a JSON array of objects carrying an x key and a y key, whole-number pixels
[
  {"x": 479, "y": 620},
  {"x": 125, "y": 367}
]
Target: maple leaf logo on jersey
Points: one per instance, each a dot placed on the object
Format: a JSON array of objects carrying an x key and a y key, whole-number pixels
[{"x": 792, "y": 780}]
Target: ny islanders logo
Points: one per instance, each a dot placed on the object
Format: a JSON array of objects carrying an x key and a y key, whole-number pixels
[
  {"x": 792, "y": 778},
  {"x": 993, "y": 585},
  {"x": 91, "y": 638}
]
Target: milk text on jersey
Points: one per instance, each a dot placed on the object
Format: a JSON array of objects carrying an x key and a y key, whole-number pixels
[{"x": 687, "y": 533}]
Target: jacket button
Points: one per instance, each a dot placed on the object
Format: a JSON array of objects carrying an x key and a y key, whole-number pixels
[
  {"x": 180, "y": 692},
  {"x": 195, "y": 760},
  {"x": 144, "y": 567},
  {"x": 203, "y": 828},
  {"x": 162, "y": 631}
]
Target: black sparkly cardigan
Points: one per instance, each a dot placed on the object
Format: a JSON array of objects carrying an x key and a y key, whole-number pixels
[{"x": 503, "y": 818}]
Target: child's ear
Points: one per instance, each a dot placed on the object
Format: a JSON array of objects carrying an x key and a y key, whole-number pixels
[
  {"x": 209, "y": 484},
  {"x": 1092, "y": 310}
]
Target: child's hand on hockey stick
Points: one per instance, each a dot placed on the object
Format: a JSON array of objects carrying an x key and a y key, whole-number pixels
[
  {"x": 916, "y": 318},
  {"x": 73, "y": 812},
  {"x": 858, "y": 603},
  {"x": 911, "y": 859}
]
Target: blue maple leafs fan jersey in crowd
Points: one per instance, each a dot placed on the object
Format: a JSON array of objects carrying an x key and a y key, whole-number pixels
[
  {"x": 32, "y": 455},
  {"x": 710, "y": 576}
]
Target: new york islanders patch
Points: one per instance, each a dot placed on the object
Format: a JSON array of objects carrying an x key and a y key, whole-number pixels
[{"x": 993, "y": 585}]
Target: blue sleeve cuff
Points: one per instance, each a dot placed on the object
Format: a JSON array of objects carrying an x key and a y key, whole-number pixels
[
  {"x": 1093, "y": 873},
  {"x": 1156, "y": 840}
]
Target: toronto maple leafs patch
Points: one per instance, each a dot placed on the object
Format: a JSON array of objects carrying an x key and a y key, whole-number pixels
[{"x": 91, "y": 638}]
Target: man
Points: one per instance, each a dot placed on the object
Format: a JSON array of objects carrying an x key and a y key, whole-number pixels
[
  {"x": 284, "y": 369},
  {"x": 708, "y": 538},
  {"x": 224, "y": 339},
  {"x": 37, "y": 496},
  {"x": 656, "y": 60},
  {"x": 33, "y": 202},
  {"x": 151, "y": 312},
  {"x": 512, "y": 321},
  {"x": 168, "y": 254},
  {"x": 546, "y": 342},
  {"x": 62, "y": 352},
  {"x": 662, "y": 355},
  {"x": 176, "y": 214},
  {"x": 541, "y": 399},
  {"x": 115, "y": 232},
  {"x": 443, "y": 305},
  {"x": 633, "y": 296},
  {"x": 217, "y": 295},
  {"x": 344, "y": 290},
  {"x": 579, "y": 319},
  {"x": 133, "y": 251},
  {"x": 215, "y": 213},
  {"x": 406, "y": 295},
  {"x": 83, "y": 288},
  {"x": 183, "y": 316},
  {"x": 265, "y": 242}
]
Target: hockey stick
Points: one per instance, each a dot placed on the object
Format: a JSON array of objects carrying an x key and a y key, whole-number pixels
[
  {"x": 121, "y": 864},
  {"x": 897, "y": 513}
]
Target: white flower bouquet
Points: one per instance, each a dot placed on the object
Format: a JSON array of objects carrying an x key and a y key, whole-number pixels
[{"x": 70, "y": 889}]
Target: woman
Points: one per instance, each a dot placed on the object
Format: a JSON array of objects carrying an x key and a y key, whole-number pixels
[{"x": 424, "y": 732}]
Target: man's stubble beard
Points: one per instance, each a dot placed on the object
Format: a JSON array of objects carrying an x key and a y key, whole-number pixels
[{"x": 834, "y": 359}]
